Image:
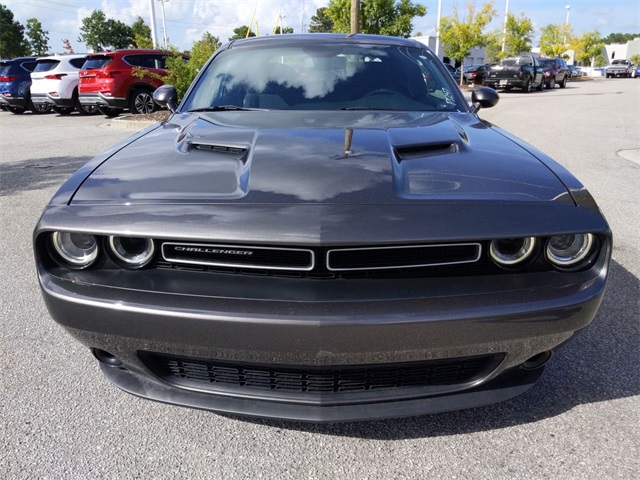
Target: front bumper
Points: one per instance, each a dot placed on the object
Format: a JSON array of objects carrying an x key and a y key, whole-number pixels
[
  {"x": 514, "y": 325},
  {"x": 101, "y": 100}
]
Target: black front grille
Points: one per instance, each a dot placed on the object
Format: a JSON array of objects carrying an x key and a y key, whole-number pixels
[
  {"x": 214, "y": 374},
  {"x": 402, "y": 257}
]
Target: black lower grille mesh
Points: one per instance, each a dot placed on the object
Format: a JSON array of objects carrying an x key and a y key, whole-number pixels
[{"x": 200, "y": 372}]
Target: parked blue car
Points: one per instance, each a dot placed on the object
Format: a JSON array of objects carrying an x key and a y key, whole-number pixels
[{"x": 15, "y": 81}]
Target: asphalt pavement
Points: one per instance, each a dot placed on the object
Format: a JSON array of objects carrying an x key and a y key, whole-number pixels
[{"x": 59, "y": 418}]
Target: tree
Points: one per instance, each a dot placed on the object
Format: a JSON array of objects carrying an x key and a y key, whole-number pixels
[
  {"x": 458, "y": 35},
  {"x": 284, "y": 30},
  {"x": 588, "y": 47},
  {"x": 241, "y": 32},
  {"x": 555, "y": 39},
  {"x": 619, "y": 38},
  {"x": 38, "y": 38},
  {"x": 93, "y": 30},
  {"x": 141, "y": 34},
  {"x": 118, "y": 34},
  {"x": 98, "y": 32},
  {"x": 600, "y": 61},
  {"x": 321, "y": 22},
  {"x": 379, "y": 17},
  {"x": 519, "y": 35},
  {"x": 635, "y": 59},
  {"x": 12, "y": 41}
]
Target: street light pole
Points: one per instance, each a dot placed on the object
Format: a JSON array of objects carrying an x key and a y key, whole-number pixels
[
  {"x": 164, "y": 24},
  {"x": 154, "y": 37},
  {"x": 566, "y": 24},
  {"x": 504, "y": 28},
  {"x": 438, "y": 29}
]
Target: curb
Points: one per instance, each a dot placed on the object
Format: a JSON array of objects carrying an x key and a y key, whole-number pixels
[{"x": 126, "y": 124}]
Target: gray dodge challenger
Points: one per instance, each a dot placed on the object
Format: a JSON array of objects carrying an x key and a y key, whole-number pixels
[{"x": 323, "y": 230}]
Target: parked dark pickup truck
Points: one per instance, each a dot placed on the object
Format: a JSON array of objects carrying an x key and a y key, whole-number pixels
[{"x": 523, "y": 71}]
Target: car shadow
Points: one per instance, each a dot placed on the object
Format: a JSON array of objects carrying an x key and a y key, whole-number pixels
[
  {"x": 37, "y": 174},
  {"x": 598, "y": 365}
]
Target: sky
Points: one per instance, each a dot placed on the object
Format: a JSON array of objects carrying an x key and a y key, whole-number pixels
[{"x": 187, "y": 20}]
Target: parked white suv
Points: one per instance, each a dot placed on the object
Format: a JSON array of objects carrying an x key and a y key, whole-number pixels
[{"x": 55, "y": 82}]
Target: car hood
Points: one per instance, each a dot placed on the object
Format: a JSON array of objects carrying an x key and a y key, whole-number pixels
[{"x": 351, "y": 158}]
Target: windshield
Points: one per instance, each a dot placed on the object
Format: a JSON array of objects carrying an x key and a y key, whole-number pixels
[
  {"x": 548, "y": 63},
  {"x": 326, "y": 77}
]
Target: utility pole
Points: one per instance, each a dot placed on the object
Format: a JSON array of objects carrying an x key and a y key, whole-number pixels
[
  {"x": 504, "y": 29},
  {"x": 355, "y": 16},
  {"x": 154, "y": 37}
]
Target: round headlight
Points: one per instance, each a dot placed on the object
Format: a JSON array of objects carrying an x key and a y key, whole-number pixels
[
  {"x": 509, "y": 252},
  {"x": 569, "y": 250},
  {"x": 133, "y": 252},
  {"x": 77, "y": 249}
]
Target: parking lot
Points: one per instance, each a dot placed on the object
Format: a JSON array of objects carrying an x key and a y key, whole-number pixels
[{"x": 60, "y": 418}]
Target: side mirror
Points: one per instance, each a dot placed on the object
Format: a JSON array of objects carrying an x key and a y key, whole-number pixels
[
  {"x": 483, "y": 97},
  {"x": 166, "y": 96}
]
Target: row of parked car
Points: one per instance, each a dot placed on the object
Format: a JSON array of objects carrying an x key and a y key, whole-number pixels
[
  {"x": 87, "y": 83},
  {"x": 523, "y": 71}
]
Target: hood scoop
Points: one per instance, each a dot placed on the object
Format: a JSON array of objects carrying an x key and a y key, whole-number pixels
[
  {"x": 421, "y": 151},
  {"x": 225, "y": 151}
]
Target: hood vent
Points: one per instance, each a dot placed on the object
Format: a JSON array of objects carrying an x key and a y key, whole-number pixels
[
  {"x": 420, "y": 151},
  {"x": 238, "y": 153}
]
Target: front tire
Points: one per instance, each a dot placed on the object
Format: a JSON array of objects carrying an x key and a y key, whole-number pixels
[
  {"x": 552, "y": 84},
  {"x": 141, "y": 102},
  {"x": 16, "y": 110},
  {"x": 527, "y": 87}
]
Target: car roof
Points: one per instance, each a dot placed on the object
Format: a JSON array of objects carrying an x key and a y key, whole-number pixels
[
  {"x": 326, "y": 38},
  {"x": 126, "y": 52},
  {"x": 63, "y": 56}
]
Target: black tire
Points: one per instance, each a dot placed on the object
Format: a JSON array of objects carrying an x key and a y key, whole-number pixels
[
  {"x": 564, "y": 81},
  {"x": 141, "y": 102},
  {"x": 527, "y": 87},
  {"x": 16, "y": 110},
  {"x": 540, "y": 87},
  {"x": 63, "y": 110},
  {"x": 109, "y": 112},
  {"x": 552, "y": 84}
]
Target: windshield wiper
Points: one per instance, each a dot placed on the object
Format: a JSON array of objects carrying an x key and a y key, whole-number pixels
[{"x": 225, "y": 108}]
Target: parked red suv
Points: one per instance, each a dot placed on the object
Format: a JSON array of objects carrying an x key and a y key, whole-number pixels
[
  {"x": 556, "y": 71},
  {"x": 106, "y": 81}
]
